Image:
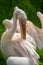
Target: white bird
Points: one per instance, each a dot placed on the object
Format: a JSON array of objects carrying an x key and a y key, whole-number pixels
[
  {"x": 35, "y": 32},
  {"x": 18, "y": 50},
  {"x": 40, "y": 16}
]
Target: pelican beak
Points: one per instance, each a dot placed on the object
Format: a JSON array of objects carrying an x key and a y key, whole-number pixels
[{"x": 23, "y": 29}]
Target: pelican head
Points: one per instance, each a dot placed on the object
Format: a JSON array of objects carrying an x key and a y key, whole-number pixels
[
  {"x": 22, "y": 17},
  {"x": 39, "y": 14},
  {"x": 7, "y": 23},
  {"x": 15, "y": 8}
]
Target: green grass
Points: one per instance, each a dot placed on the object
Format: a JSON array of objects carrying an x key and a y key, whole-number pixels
[
  {"x": 40, "y": 52},
  {"x": 2, "y": 29},
  {"x": 2, "y": 60}
]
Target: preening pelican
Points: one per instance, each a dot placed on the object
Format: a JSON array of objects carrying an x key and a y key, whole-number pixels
[
  {"x": 35, "y": 32},
  {"x": 19, "y": 49}
]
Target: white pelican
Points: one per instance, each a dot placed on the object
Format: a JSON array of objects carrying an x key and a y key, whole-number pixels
[
  {"x": 18, "y": 50},
  {"x": 35, "y": 32},
  {"x": 40, "y": 16}
]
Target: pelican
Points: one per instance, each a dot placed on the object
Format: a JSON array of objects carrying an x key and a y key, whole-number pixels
[
  {"x": 35, "y": 32},
  {"x": 40, "y": 16},
  {"x": 18, "y": 51}
]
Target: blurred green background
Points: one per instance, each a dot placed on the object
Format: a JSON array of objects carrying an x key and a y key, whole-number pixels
[{"x": 30, "y": 7}]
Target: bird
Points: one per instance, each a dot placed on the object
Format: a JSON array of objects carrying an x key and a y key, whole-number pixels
[
  {"x": 35, "y": 32},
  {"x": 40, "y": 16},
  {"x": 19, "y": 48}
]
